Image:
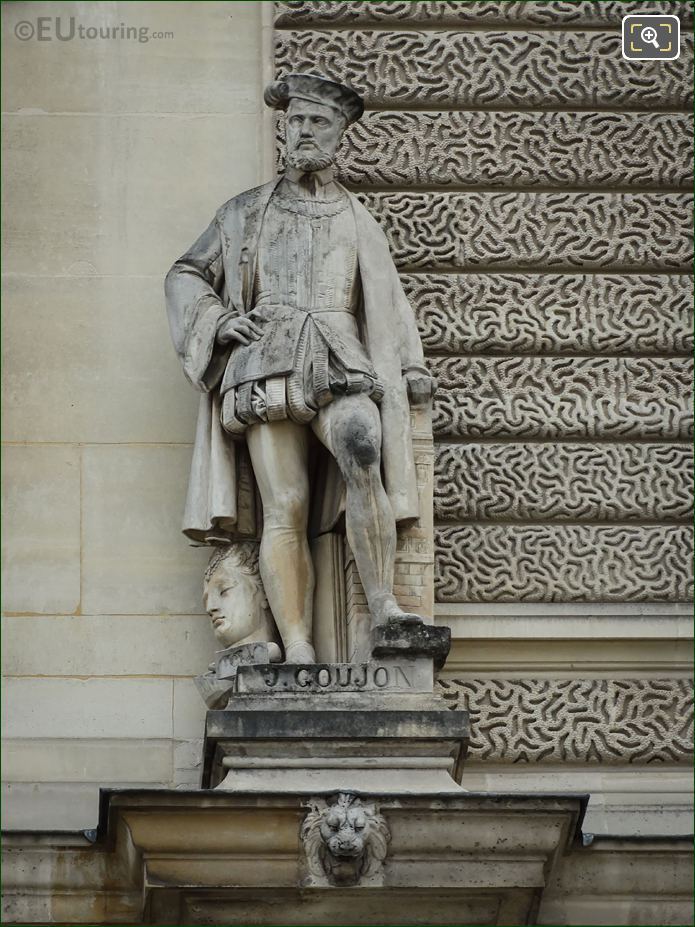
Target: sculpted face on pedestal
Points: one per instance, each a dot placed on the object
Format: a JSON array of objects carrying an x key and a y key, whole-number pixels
[{"x": 233, "y": 596}]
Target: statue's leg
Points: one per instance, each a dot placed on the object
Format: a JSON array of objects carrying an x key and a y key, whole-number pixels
[
  {"x": 279, "y": 456},
  {"x": 350, "y": 428}
]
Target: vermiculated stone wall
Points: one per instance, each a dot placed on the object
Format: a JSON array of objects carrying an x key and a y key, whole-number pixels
[{"x": 534, "y": 187}]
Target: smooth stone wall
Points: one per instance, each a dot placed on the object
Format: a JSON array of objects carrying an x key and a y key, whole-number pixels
[{"x": 116, "y": 155}]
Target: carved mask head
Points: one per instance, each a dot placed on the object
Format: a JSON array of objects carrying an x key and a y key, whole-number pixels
[
  {"x": 344, "y": 829},
  {"x": 345, "y": 841},
  {"x": 233, "y": 594},
  {"x": 313, "y": 133}
]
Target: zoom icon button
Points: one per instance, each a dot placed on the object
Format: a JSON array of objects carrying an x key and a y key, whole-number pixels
[{"x": 651, "y": 38}]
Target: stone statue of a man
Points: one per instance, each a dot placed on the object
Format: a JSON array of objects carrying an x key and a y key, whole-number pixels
[{"x": 289, "y": 316}]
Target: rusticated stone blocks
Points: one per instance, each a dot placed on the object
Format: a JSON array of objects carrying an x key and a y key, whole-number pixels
[
  {"x": 292, "y": 13},
  {"x": 563, "y": 563},
  {"x": 541, "y": 222},
  {"x": 576, "y": 720},
  {"x": 488, "y": 70}
]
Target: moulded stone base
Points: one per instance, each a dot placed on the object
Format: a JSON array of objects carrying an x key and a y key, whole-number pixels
[
  {"x": 360, "y": 742},
  {"x": 337, "y": 727}
]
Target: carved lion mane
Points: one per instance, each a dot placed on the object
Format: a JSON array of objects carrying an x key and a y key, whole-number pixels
[{"x": 346, "y": 841}]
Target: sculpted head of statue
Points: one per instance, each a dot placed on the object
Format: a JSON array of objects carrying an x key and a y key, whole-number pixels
[
  {"x": 234, "y": 597},
  {"x": 312, "y": 135},
  {"x": 318, "y": 110}
]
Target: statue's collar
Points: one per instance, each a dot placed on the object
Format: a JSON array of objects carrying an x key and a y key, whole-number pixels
[{"x": 322, "y": 177}]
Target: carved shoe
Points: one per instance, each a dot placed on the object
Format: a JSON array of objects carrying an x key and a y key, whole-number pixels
[
  {"x": 404, "y": 618},
  {"x": 388, "y": 611},
  {"x": 398, "y": 616},
  {"x": 300, "y": 652}
]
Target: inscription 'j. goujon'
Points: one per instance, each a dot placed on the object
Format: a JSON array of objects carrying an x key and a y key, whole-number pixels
[{"x": 328, "y": 677}]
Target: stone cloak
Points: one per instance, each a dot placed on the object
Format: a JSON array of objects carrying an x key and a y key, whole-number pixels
[{"x": 213, "y": 281}]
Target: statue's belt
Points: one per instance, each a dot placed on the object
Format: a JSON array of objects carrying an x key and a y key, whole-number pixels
[
  {"x": 277, "y": 312},
  {"x": 278, "y": 351}
]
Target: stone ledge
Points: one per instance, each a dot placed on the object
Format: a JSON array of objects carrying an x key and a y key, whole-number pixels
[
  {"x": 167, "y": 857},
  {"x": 489, "y": 858},
  {"x": 334, "y": 724}
]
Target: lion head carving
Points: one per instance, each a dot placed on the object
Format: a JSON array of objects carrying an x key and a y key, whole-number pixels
[{"x": 345, "y": 842}]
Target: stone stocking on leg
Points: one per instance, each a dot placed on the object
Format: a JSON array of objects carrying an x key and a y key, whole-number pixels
[
  {"x": 279, "y": 455},
  {"x": 371, "y": 533},
  {"x": 350, "y": 428}
]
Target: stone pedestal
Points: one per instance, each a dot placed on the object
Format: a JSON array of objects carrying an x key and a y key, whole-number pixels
[{"x": 363, "y": 727}]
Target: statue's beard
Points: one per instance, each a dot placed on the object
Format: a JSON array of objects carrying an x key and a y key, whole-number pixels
[{"x": 310, "y": 160}]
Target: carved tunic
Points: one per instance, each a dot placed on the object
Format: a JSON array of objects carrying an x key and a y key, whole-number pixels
[
  {"x": 207, "y": 285},
  {"x": 307, "y": 299},
  {"x": 307, "y": 255}
]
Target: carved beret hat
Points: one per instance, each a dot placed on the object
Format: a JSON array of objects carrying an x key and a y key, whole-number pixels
[{"x": 317, "y": 89}]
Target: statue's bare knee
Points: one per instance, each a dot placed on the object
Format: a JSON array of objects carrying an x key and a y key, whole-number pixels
[
  {"x": 287, "y": 508},
  {"x": 358, "y": 442}
]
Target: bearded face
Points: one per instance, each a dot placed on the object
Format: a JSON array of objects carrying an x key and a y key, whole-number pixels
[{"x": 313, "y": 134}]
